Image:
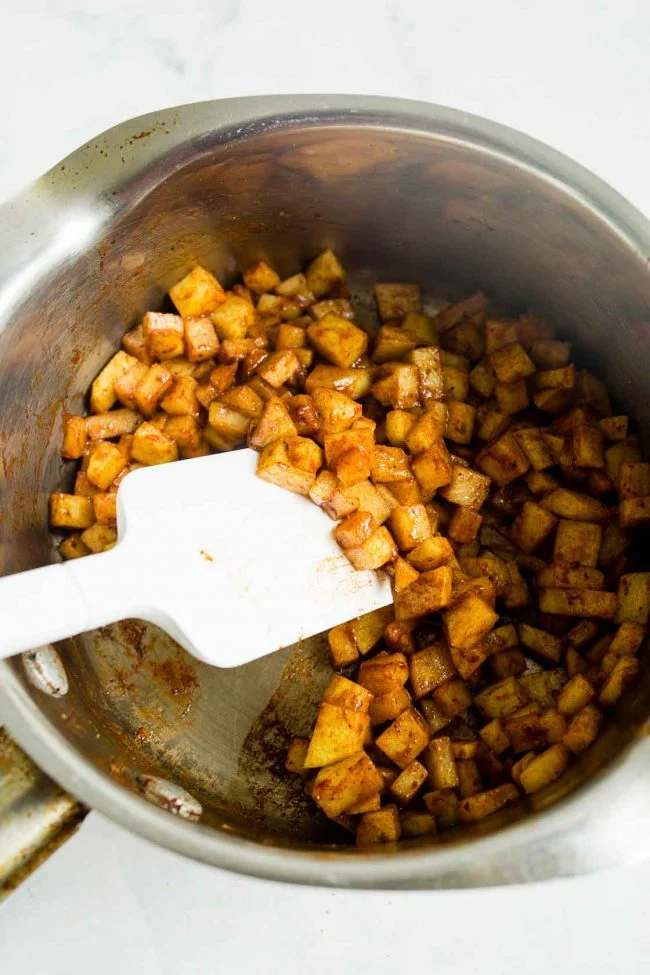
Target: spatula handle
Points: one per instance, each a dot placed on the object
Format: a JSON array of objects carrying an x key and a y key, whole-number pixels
[{"x": 44, "y": 605}]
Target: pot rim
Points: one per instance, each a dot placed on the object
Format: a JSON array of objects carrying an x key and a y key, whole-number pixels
[{"x": 564, "y": 839}]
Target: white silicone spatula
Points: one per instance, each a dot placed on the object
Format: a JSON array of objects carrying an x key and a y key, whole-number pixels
[{"x": 232, "y": 567}]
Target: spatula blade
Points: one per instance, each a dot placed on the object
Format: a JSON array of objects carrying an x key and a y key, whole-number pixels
[{"x": 233, "y": 567}]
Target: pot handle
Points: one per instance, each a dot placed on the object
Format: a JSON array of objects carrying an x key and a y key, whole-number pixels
[{"x": 36, "y": 817}]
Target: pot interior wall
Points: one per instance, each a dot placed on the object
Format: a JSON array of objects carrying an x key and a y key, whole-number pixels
[{"x": 394, "y": 204}]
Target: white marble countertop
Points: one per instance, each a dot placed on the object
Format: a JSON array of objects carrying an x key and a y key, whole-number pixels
[{"x": 575, "y": 74}]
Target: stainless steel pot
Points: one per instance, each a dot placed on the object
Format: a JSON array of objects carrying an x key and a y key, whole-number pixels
[{"x": 399, "y": 189}]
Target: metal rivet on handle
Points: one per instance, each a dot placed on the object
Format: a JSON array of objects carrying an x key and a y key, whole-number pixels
[
  {"x": 171, "y": 797},
  {"x": 45, "y": 671}
]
